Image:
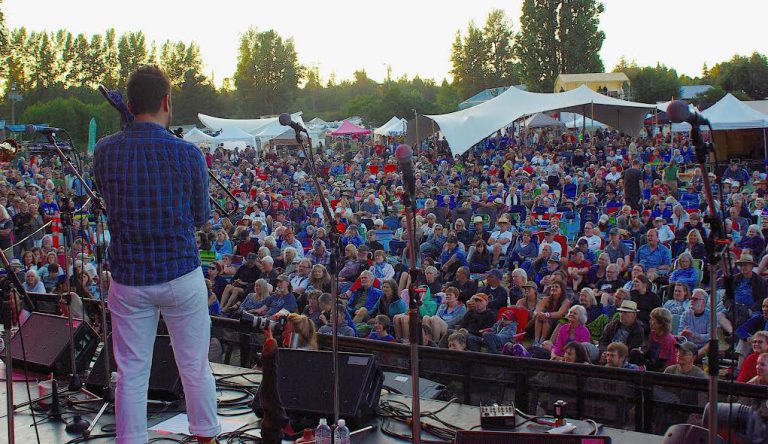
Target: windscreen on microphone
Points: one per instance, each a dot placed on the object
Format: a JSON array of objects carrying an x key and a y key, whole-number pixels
[
  {"x": 285, "y": 119},
  {"x": 404, "y": 156},
  {"x": 678, "y": 111},
  {"x": 404, "y": 153}
]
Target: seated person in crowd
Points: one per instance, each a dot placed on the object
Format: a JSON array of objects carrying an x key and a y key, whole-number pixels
[
  {"x": 655, "y": 258},
  {"x": 616, "y": 354},
  {"x": 695, "y": 324},
  {"x": 626, "y": 330}
]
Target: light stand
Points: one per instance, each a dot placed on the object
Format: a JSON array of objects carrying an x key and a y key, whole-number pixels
[
  {"x": 7, "y": 309},
  {"x": 108, "y": 396},
  {"x": 716, "y": 236},
  {"x": 6, "y": 313},
  {"x": 413, "y": 318},
  {"x": 306, "y": 146}
]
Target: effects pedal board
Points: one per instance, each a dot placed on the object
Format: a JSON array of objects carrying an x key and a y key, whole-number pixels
[{"x": 494, "y": 415}]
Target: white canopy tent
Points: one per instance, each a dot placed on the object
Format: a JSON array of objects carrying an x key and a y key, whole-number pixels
[
  {"x": 541, "y": 120},
  {"x": 730, "y": 113},
  {"x": 576, "y": 121},
  {"x": 394, "y": 127},
  {"x": 196, "y": 136},
  {"x": 248, "y": 125},
  {"x": 233, "y": 137},
  {"x": 464, "y": 128}
]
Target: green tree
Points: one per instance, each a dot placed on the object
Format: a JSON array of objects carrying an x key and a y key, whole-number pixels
[
  {"x": 536, "y": 45},
  {"x": 558, "y": 36},
  {"x": 580, "y": 38},
  {"x": 131, "y": 53},
  {"x": 748, "y": 75},
  {"x": 267, "y": 74},
  {"x": 650, "y": 84},
  {"x": 108, "y": 73}
]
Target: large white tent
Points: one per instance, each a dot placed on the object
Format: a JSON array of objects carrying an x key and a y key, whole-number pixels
[
  {"x": 576, "y": 121},
  {"x": 233, "y": 137},
  {"x": 196, "y": 136},
  {"x": 394, "y": 127},
  {"x": 541, "y": 120},
  {"x": 463, "y": 129},
  {"x": 730, "y": 113},
  {"x": 261, "y": 130}
]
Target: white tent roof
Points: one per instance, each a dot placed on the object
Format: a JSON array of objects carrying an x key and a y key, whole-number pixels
[
  {"x": 730, "y": 113},
  {"x": 196, "y": 136},
  {"x": 395, "y": 126},
  {"x": 465, "y": 128},
  {"x": 234, "y": 134},
  {"x": 576, "y": 121},
  {"x": 274, "y": 129},
  {"x": 247, "y": 125},
  {"x": 317, "y": 121},
  {"x": 540, "y": 120}
]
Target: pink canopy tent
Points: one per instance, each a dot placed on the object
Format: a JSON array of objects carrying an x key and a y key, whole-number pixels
[{"x": 348, "y": 128}]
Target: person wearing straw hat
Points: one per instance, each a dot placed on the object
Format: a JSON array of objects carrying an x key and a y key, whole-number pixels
[
  {"x": 500, "y": 240},
  {"x": 749, "y": 288},
  {"x": 627, "y": 329}
]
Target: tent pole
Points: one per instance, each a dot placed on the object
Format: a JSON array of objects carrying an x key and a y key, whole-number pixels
[
  {"x": 416, "y": 117},
  {"x": 592, "y": 124},
  {"x": 765, "y": 152},
  {"x": 583, "y": 121}
]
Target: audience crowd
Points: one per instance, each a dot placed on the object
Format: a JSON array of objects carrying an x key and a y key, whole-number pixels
[{"x": 535, "y": 244}]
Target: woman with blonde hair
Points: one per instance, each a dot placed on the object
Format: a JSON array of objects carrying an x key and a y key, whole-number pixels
[
  {"x": 222, "y": 245},
  {"x": 304, "y": 335}
]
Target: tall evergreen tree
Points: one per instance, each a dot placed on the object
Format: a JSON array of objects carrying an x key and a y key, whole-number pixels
[
  {"x": 267, "y": 73},
  {"x": 536, "y": 44},
  {"x": 580, "y": 38},
  {"x": 558, "y": 36}
]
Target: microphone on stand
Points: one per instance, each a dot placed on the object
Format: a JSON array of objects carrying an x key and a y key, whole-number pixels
[
  {"x": 678, "y": 111},
  {"x": 31, "y": 130},
  {"x": 285, "y": 120},
  {"x": 404, "y": 155}
]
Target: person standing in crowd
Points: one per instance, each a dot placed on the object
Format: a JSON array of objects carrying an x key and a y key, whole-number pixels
[{"x": 162, "y": 276}]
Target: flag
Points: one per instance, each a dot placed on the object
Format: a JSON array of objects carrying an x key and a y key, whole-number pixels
[{"x": 92, "y": 135}]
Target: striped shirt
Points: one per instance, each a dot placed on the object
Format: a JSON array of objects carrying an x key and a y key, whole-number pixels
[{"x": 155, "y": 189}]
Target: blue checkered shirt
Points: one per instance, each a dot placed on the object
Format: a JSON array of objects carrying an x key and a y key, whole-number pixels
[{"x": 155, "y": 189}]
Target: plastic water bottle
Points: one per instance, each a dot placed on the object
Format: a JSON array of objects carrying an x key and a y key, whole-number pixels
[
  {"x": 323, "y": 432},
  {"x": 341, "y": 433}
]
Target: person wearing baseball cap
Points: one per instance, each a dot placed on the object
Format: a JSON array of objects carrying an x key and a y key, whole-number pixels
[
  {"x": 477, "y": 318},
  {"x": 686, "y": 356},
  {"x": 499, "y": 334},
  {"x": 319, "y": 253},
  {"x": 497, "y": 294},
  {"x": 617, "y": 250},
  {"x": 549, "y": 239},
  {"x": 451, "y": 258}
]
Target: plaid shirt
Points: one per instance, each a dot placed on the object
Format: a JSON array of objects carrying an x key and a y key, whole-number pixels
[{"x": 155, "y": 189}]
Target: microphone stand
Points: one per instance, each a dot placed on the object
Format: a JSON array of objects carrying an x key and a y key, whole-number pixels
[
  {"x": 413, "y": 318},
  {"x": 7, "y": 313},
  {"x": 716, "y": 237},
  {"x": 335, "y": 237},
  {"x": 108, "y": 396}
]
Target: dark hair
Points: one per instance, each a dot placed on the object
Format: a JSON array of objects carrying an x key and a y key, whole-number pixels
[
  {"x": 146, "y": 88},
  {"x": 581, "y": 353}
]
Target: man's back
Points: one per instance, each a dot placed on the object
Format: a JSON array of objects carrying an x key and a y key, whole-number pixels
[{"x": 155, "y": 189}]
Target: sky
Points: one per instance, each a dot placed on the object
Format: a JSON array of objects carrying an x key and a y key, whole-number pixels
[{"x": 413, "y": 37}]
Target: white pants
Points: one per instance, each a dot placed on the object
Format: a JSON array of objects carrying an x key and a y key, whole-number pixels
[{"x": 135, "y": 313}]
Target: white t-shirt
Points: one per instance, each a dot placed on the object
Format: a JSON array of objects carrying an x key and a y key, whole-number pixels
[{"x": 496, "y": 235}]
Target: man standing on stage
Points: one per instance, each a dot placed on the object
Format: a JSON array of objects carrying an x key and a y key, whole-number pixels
[{"x": 155, "y": 189}]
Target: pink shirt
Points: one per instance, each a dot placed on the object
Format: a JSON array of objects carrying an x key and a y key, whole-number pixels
[{"x": 564, "y": 337}]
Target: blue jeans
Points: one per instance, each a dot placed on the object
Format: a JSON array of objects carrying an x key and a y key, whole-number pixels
[{"x": 494, "y": 342}]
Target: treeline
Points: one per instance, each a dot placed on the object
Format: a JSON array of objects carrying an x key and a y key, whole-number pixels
[{"x": 56, "y": 73}]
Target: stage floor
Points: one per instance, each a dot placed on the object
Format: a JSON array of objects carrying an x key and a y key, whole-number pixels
[{"x": 51, "y": 432}]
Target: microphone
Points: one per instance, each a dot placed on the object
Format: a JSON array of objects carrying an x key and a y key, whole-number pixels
[
  {"x": 404, "y": 155},
  {"x": 285, "y": 120},
  {"x": 31, "y": 130},
  {"x": 678, "y": 111}
]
